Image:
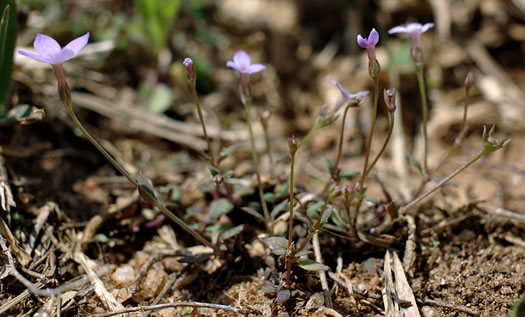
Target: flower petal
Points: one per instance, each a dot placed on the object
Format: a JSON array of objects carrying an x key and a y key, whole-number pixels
[
  {"x": 34, "y": 56},
  {"x": 46, "y": 46},
  {"x": 231, "y": 64},
  {"x": 398, "y": 29},
  {"x": 361, "y": 41},
  {"x": 77, "y": 44},
  {"x": 64, "y": 55},
  {"x": 426, "y": 27},
  {"x": 242, "y": 59},
  {"x": 255, "y": 68},
  {"x": 373, "y": 37},
  {"x": 343, "y": 91},
  {"x": 360, "y": 94}
]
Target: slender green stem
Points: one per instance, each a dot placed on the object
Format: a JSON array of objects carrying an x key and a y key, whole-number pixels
[
  {"x": 405, "y": 208},
  {"x": 99, "y": 147},
  {"x": 424, "y": 107},
  {"x": 268, "y": 147},
  {"x": 267, "y": 215},
  {"x": 315, "y": 228},
  {"x": 211, "y": 154},
  {"x": 361, "y": 186},
  {"x": 390, "y": 129},
  {"x": 307, "y": 137},
  {"x": 290, "y": 219},
  {"x": 65, "y": 96},
  {"x": 335, "y": 171}
]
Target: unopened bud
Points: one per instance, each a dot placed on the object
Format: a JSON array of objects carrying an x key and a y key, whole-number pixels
[
  {"x": 468, "y": 82},
  {"x": 265, "y": 118},
  {"x": 292, "y": 144},
  {"x": 390, "y": 99},
  {"x": 191, "y": 77},
  {"x": 218, "y": 179},
  {"x": 374, "y": 69}
]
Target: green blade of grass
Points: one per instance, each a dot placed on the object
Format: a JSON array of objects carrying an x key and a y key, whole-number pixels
[{"x": 7, "y": 48}]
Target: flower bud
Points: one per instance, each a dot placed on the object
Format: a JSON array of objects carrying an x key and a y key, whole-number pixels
[
  {"x": 390, "y": 98},
  {"x": 191, "y": 77},
  {"x": 292, "y": 144},
  {"x": 468, "y": 82}
]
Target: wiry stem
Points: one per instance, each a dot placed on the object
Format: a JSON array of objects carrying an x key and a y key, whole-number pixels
[
  {"x": 390, "y": 129},
  {"x": 211, "y": 154},
  {"x": 424, "y": 108},
  {"x": 290, "y": 219},
  {"x": 267, "y": 215},
  {"x": 361, "y": 186},
  {"x": 65, "y": 96},
  {"x": 405, "y": 208}
]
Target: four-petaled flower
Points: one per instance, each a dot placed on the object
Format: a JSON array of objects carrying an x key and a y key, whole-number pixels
[
  {"x": 372, "y": 39},
  {"x": 243, "y": 63},
  {"x": 355, "y": 97},
  {"x": 414, "y": 30},
  {"x": 411, "y": 28},
  {"x": 50, "y": 52},
  {"x": 370, "y": 45}
]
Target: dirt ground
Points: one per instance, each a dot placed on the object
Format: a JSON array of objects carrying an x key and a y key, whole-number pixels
[{"x": 81, "y": 231}]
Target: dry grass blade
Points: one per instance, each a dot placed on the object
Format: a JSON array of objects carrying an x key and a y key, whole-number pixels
[
  {"x": 20, "y": 254},
  {"x": 403, "y": 290},
  {"x": 397, "y": 292},
  {"x": 106, "y": 297}
]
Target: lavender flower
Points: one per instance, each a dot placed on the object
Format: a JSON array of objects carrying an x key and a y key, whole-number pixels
[
  {"x": 372, "y": 40},
  {"x": 354, "y": 97},
  {"x": 190, "y": 71},
  {"x": 50, "y": 52},
  {"x": 243, "y": 63},
  {"x": 411, "y": 28},
  {"x": 414, "y": 30},
  {"x": 370, "y": 44}
]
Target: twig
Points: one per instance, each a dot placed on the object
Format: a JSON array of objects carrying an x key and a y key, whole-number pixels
[
  {"x": 167, "y": 305},
  {"x": 322, "y": 273},
  {"x": 460, "y": 308}
]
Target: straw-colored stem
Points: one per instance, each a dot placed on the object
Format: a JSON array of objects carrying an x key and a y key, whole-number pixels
[
  {"x": 267, "y": 215},
  {"x": 424, "y": 108}
]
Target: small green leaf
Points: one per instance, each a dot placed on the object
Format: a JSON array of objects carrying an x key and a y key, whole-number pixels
[
  {"x": 102, "y": 238},
  {"x": 283, "y": 191},
  {"x": 269, "y": 197},
  {"x": 348, "y": 175},
  {"x": 220, "y": 207},
  {"x": 217, "y": 228},
  {"x": 174, "y": 192},
  {"x": 276, "y": 242},
  {"x": 304, "y": 252},
  {"x": 254, "y": 213},
  {"x": 329, "y": 165},
  {"x": 279, "y": 207},
  {"x": 314, "y": 209},
  {"x": 232, "y": 232},
  {"x": 279, "y": 251},
  {"x": 22, "y": 114},
  {"x": 226, "y": 152},
  {"x": 228, "y": 175},
  {"x": 370, "y": 199},
  {"x": 214, "y": 171},
  {"x": 311, "y": 265},
  {"x": 438, "y": 179},
  {"x": 415, "y": 162},
  {"x": 160, "y": 99},
  {"x": 326, "y": 215}
]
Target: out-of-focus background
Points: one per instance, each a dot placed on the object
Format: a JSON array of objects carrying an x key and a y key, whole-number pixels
[{"x": 129, "y": 88}]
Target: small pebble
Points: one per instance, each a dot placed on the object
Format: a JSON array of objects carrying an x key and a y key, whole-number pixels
[{"x": 123, "y": 276}]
